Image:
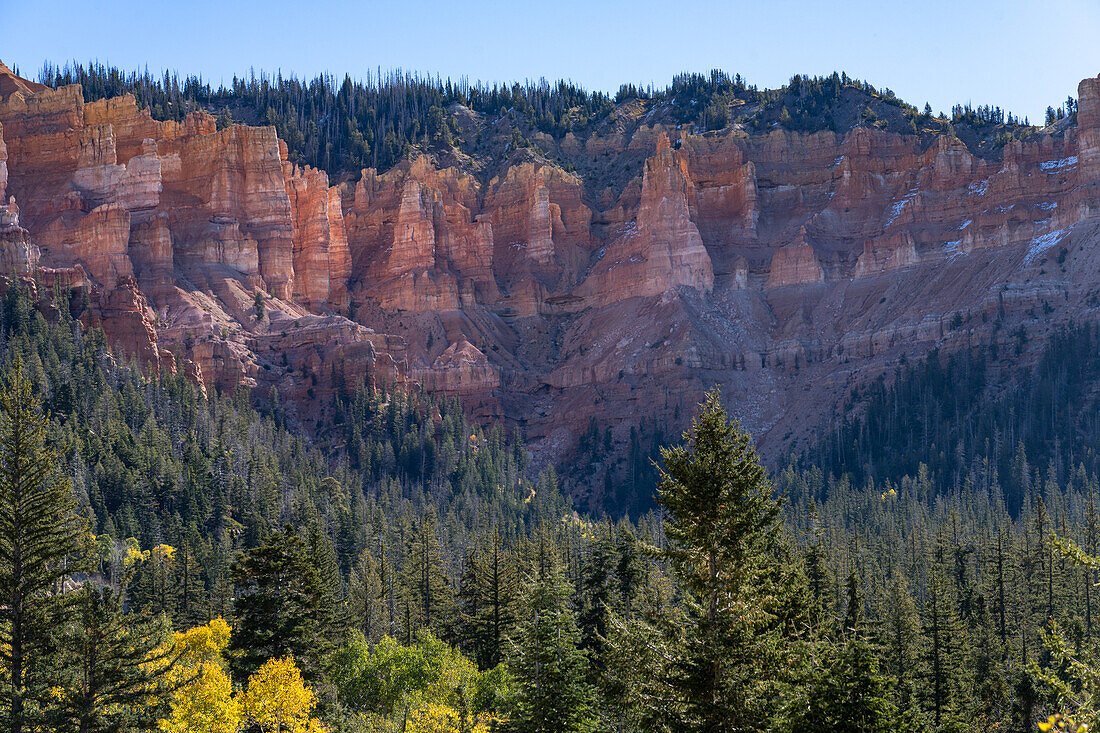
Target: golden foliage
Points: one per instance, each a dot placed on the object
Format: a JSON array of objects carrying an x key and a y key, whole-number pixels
[
  {"x": 163, "y": 553},
  {"x": 204, "y": 701},
  {"x": 436, "y": 718},
  {"x": 279, "y": 701},
  {"x": 204, "y": 705},
  {"x": 1059, "y": 722},
  {"x": 202, "y": 644}
]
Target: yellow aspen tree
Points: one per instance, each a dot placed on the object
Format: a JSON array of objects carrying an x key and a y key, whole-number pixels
[
  {"x": 279, "y": 701},
  {"x": 202, "y": 643},
  {"x": 204, "y": 703}
]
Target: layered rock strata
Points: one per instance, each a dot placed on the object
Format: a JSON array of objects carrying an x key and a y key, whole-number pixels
[{"x": 786, "y": 267}]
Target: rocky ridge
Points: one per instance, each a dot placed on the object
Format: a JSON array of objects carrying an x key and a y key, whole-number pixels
[{"x": 788, "y": 267}]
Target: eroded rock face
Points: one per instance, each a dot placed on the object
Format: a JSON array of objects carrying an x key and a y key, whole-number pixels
[
  {"x": 796, "y": 264},
  {"x": 662, "y": 249},
  {"x": 172, "y": 230},
  {"x": 127, "y": 321},
  {"x": 18, "y": 254},
  {"x": 416, "y": 242},
  {"x": 228, "y": 204},
  {"x": 1088, "y": 126},
  {"x": 3, "y": 165},
  {"x": 461, "y": 369},
  {"x": 321, "y": 261},
  {"x": 98, "y": 241},
  {"x": 786, "y": 267}
]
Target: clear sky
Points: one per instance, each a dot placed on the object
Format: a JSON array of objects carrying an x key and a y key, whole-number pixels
[{"x": 1020, "y": 55}]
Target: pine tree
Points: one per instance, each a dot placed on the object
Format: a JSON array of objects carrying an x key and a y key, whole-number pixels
[
  {"x": 366, "y": 600},
  {"x": 596, "y": 596},
  {"x": 1092, "y": 538},
  {"x": 817, "y": 571},
  {"x": 192, "y": 605},
  {"x": 39, "y": 538},
  {"x": 901, "y": 640},
  {"x": 278, "y": 606},
  {"x": 640, "y": 659},
  {"x": 554, "y": 694},
  {"x": 331, "y": 616},
  {"x": 1044, "y": 558},
  {"x": 944, "y": 693},
  {"x": 113, "y": 675},
  {"x": 853, "y": 614},
  {"x": 428, "y": 599},
  {"x": 742, "y": 594},
  {"x": 845, "y": 693},
  {"x": 258, "y": 305},
  {"x": 630, "y": 571},
  {"x": 844, "y": 690},
  {"x": 487, "y": 601},
  {"x": 154, "y": 584},
  {"x": 999, "y": 595}
]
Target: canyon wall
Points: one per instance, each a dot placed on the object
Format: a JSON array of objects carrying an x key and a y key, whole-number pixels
[{"x": 787, "y": 267}]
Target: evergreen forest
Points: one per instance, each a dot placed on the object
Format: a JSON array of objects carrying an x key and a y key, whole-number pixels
[
  {"x": 345, "y": 125},
  {"x": 175, "y": 562}
]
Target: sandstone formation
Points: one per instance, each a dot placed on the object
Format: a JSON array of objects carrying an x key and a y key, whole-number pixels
[
  {"x": 788, "y": 267},
  {"x": 321, "y": 261},
  {"x": 173, "y": 229},
  {"x": 1088, "y": 136},
  {"x": 661, "y": 249}
]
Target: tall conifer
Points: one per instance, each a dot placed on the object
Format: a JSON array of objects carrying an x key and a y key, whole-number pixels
[
  {"x": 552, "y": 670},
  {"x": 39, "y": 538},
  {"x": 279, "y": 606},
  {"x": 744, "y": 595}
]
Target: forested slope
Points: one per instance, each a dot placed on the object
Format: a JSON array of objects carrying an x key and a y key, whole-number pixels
[
  {"x": 343, "y": 125},
  {"x": 406, "y": 573}
]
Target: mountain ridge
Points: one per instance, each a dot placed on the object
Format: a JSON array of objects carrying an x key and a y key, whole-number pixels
[{"x": 787, "y": 266}]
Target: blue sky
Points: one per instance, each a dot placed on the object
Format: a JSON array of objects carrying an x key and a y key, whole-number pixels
[{"x": 1019, "y": 55}]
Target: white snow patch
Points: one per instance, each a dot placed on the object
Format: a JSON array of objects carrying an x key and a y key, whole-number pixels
[
  {"x": 951, "y": 249},
  {"x": 1053, "y": 166},
  {"x": 1042, "y": 243},
  {"x": 978, "y": 188},
  {"x": 965, "y": 224},
  {"x": 896, "y": 209},
  {"x": 1047, "y": 206},
  {"x": 631, "y": 259}
]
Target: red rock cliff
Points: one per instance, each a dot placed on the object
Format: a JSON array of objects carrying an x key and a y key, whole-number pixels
[{"x": 787, "y": 267}]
